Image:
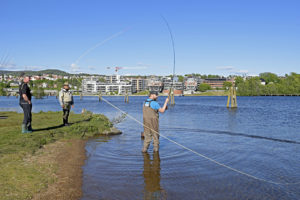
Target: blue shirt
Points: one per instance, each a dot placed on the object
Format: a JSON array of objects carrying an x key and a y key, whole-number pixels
[{"x": 154, "y": 105}]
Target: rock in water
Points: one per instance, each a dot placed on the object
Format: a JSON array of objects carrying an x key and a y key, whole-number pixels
[{"x": 112, "y": 131}]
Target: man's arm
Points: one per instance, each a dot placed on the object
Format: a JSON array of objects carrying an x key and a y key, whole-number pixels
[
  {"x": 26, "y": 98},
  {"x": 163, "y": 109},
  {"x": 72, "y": 103},
  {"x": 23, "y": 90},
  {"x": 60, "y": 99}
]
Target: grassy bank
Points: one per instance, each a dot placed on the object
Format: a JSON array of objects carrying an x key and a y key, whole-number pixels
[{"x": 22, "y": 173}]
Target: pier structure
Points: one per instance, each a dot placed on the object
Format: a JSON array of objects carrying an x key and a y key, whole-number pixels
[
  {"x": 100, "y": 97},
  {"x": 171, "y": 96},
  {"x": 232, "y": 97},
  {"x": 126, "y": 97}
]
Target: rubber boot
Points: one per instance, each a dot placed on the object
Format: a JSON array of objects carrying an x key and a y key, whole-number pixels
[
  {"x": 155, "y": 149},
  {"x": 29, "y": 129},
  {"x": 66, "y": 122},
  {"x": 145, "y": 148},
  {"x": 24, "y": 130},
  {"x": 142, "y": 136}
]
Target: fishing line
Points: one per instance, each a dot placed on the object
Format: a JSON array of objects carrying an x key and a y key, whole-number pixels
[
  {"x": 170, "y": 140},
  {"x": 99, "y": 44},
  {"x": 199, "y": 154}
]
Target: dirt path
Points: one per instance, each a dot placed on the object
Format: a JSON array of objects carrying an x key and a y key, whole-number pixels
[{"x": 68, "y": 157}]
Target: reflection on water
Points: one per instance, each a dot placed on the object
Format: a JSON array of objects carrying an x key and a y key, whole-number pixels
[{"x": 151, "y": 174}]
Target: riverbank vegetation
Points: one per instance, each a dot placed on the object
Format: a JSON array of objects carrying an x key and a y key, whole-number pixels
[
  {"x": 268, "y": 84},
  {"x": 21, "y": 175}
]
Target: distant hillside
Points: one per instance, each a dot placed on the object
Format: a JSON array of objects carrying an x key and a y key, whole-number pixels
[{"x": 35, "y": 73}]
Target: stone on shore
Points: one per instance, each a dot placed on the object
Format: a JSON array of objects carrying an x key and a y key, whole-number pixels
[{"x": 112, "y": 131}]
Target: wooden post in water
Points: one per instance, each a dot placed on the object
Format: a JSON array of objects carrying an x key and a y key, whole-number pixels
[
  {"x": 232, "y": 98},
  {"x": 126, "y": 97},
  {"x": 100, "y": 97},
  {"x": 172, "y": 100},
  {"x": 81, "y": 96}
]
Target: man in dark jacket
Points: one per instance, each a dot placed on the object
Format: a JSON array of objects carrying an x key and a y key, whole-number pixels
[{"x": 26, "y": 105}]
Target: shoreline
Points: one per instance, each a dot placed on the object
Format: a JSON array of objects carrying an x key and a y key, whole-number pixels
[
  {"x": 68, "y": 157},
  {"x": 47, "y": 163}
]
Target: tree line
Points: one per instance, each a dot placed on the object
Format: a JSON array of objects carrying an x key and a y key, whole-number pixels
[{"x": 274, "y": 85}]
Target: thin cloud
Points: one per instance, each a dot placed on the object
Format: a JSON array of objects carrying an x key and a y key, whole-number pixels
[
  {"x": 91, "y": 68},
  {"x": 243, "y": 71},
  {"x": 233, "y": 70},
  {"x": 8, "y": 66},
  {"x": 227, "y": 68},
  {"x": 74, "y": 68}
]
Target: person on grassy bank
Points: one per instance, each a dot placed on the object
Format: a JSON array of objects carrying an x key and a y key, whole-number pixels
[
  {"x": 26, "y": 105},
  {"x": 66, "y": 101},
  {"x": 151, "y": 111}
]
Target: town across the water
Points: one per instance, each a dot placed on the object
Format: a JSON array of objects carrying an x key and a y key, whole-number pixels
[
  {"x": 119, "y": 84},
  {"x": 50, "y": 83}
]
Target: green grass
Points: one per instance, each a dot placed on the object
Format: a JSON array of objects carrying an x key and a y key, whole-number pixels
[{"x": 21, "y": 178}]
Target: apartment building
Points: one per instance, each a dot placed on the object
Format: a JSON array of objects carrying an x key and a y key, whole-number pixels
[{"x": 138, "y": 84}]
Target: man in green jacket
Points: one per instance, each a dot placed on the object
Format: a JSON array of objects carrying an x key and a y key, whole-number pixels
[{"x": 66, "y": 101}]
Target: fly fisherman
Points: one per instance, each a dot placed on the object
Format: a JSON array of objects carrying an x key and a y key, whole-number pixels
[
  {"x": 25, "y": 103},
  {"x": 151, "y": 111},
  {"x": 66, "y": 101}
]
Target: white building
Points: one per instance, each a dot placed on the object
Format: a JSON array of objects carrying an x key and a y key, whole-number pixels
[
  {"x": 190, "y": 86},
  {"x": 96, "y": 87}
]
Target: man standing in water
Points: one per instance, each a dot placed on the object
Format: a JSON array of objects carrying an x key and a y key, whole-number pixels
[
  {"x": 66, "y": 101},
  {"x": 151, "y": 111},
  {"x": 26, "y": 105}
]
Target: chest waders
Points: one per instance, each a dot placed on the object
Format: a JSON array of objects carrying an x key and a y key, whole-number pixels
[
  {"x": 151, "y": 127},
  {"x": 67, "y": 100}
]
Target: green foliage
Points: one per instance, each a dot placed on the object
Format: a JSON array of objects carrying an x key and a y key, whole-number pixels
[
  {"x": 210, "y": 76},
  {"x": 38, "y": 92},
  {"x": 180, "y": 78},
  {"x": 102, "y": 80},
  {"x": 204, "y": 87},
  {"x": 227, "y": 85},
  {"x": 289, "y": 85},
  {"x": 146, "y": 92},
  {"x": 269, "y": 77},
  {"x": 3, "y": 86},
  {"x": 238, "y": 80}
]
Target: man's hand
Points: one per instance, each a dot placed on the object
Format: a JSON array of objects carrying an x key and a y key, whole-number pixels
[
  {"x": 167, "y": 100},
  {"x": 62, "y": 106},
  {"x": 73, "y": 106},
  {"x": 29, "y": 101}
]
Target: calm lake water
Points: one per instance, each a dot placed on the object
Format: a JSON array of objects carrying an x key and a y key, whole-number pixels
[{"x": 261, "y": 138}]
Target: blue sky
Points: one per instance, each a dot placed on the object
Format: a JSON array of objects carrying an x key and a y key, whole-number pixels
[{"x": 211, "y": 37}]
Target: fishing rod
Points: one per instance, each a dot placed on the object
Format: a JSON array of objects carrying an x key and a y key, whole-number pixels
[
  {"x": 171, "y": 90},
  {"x": 85, "y": 53},
  {"x": 189, "y": 149}
]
